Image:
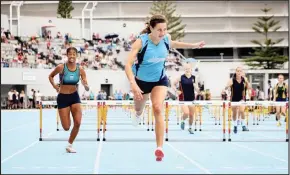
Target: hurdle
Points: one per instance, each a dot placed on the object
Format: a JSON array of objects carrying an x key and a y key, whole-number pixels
[
  {"x": 102, "y": 108},
  {"x": 167, "y": 104},
  {"x": 259, "y": 104},
  {"x": 54, "y": 103}
]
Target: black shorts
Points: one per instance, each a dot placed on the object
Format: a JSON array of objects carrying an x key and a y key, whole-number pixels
[
  {"x": 280, "y": 99},
  {"x": 66, "y": 100},
  {"x": 21, "y": 100},
  {"x": 237, "y": 99},
  {"x": 189, "y": 97},
  {"x": 147, "y": 87}
]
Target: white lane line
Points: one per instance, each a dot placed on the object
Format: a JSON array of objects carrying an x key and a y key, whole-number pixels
[
  {"x": 98, "y": 157},
  {"x": 253, "y": 150},
  {"x": 198, "y": 165},
  {"x": 23, "y": 149}
]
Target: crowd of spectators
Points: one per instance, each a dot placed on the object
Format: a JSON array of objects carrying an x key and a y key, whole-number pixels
[
  {"x": 102, "y": 95},
  {"x": 17, "y": 99},
  {"x": 47, "y": 51}
]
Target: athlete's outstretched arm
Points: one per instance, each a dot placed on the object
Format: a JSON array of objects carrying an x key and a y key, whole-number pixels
[
  {"x": 196, "y": 88},
  {"x": 84, "y": 79},
  {"x": 56, "y": 71},
  {"x": 174, "y": 83},
  {"x": 248, "y": 84},
  {"x": 275, "y": 92},
  {"x": 182, "y": 45},
  {"x": 128, "y": 69},
  {"x": 137, "y": 45},
  {"x": 229, "y": 84}
]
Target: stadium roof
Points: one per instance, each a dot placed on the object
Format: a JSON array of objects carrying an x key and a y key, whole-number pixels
[{"x": 55, "y": 2}]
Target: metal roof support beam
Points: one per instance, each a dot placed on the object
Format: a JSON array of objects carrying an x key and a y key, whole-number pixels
[
  {"x": 10, "y": 16},
  {"x": 17, "y": 4},
  {"x": 91, "y": 10},
  {"x": 83, "y": 19}
]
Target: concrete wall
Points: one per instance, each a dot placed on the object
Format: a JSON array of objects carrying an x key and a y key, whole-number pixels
[
  {"x": 38, "y": 79},
  {"x": 219, "y": 23},
  {"x": 214, "y": 75}
]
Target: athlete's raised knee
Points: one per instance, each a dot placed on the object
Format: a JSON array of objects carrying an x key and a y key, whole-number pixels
[{"x": 66, "y": 128}]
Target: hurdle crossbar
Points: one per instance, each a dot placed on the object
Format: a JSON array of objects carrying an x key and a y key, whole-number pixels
[
  {"x": 176, "y": 103},
  {"x": 102, "y": 108}
]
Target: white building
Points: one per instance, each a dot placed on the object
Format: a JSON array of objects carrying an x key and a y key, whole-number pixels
[{"x": 225, "y": 26}]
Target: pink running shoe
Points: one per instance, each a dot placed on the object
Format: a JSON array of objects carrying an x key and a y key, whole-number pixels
[{"x": 159, "y": 154}]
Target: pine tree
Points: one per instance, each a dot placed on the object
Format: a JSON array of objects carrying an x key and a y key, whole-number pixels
[
  {"x": 65, "y": 8},
  {"x": 175, "y": 27},
  {"x": 266, "y": 55}
]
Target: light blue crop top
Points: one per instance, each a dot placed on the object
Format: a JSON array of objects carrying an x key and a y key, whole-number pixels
[
  {"x": 150, "y": 65},
  {"x": 69, "y": 77}
]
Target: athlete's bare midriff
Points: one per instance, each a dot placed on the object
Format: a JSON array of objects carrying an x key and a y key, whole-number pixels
[{"x": 67, "y": 89}]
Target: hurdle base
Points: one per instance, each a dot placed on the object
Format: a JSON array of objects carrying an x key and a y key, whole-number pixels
[
  {"x": 65, "y": 139},
  {"x": 104, "y": 139},
  {"x": 224, "y": 140},
  {"x": 229, "y": 140},
  {"x": 40, "y": 139},
  {"x": 98, "y": 139},
  {"x": 260, "y": 140},
  {"x": 166, "y": 139},
  {"x": 287, "y": 140},
  {"x": 57, "y": 129}
]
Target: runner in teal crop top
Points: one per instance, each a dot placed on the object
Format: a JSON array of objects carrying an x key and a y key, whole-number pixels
[{"x": 68, "y": 99}]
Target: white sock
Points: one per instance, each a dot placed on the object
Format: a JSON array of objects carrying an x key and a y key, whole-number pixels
[
  {"x": 69, "y": 145},
  {"x": 159, "y": 148},
  {"x": 243, "y": 122},
  {"x": 140, "y": 114},
  {"x": 235, "y": 122}
]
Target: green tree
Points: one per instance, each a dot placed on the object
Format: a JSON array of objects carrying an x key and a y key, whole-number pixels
[
  {"x": 266, "y": 54},
  {"x": 175, "y": 27},
  {"x": 64, "y": 9}
]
